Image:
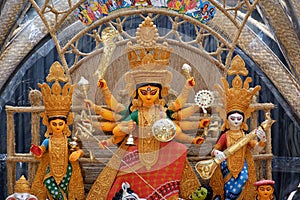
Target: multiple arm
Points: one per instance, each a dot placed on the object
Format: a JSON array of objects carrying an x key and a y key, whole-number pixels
[
  {"x": 183, "y": 96},
  {"x": 112, "y": 116},
  {"x": 109, "y": 98},
  {"x": 182, "y": 137},
  {"x": 180, "y": 114},
  {"x": 120, "y": 130},
  {"x": 185, "y": 113},
  {"x": 103, "y": 112},
  {"x": 119, "y": 133}
]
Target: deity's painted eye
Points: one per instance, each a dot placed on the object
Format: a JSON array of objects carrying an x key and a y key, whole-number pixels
[
  {"x": 269, "y": 188},
  {"x": 57, "y": 124},
  {"x": 144, "y": 92},
  {"x": 236, "y": 118},
  {"x": 153, "y": 92}
]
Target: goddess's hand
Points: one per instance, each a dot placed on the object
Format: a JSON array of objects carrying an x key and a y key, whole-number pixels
[
  {"x": 261, "y": 135},
  {"x": 190, "y": 82},
  {"x": 126, "y": 127},
  {"x": 89, "y": 103},
  {"x": 101, "y": 83},
  {"x": 220, "y": 155},
  {"x": 131, "y": 125}
]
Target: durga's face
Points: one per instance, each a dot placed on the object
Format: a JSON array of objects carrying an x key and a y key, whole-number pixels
[{"x": 148, "y": 94}]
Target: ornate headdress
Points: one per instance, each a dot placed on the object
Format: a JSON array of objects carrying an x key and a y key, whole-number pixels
[
  {"x": 22, "y": 185},
  {"x": 148, "y": 60},
  {"x": 239, "y": 96},
  {"x": 57, "y": 100}
]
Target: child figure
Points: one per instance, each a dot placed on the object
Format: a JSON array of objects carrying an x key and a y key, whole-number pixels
[{"x": 264, "y": 189}]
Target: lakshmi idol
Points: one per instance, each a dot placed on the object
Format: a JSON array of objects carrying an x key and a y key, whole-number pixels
[{"x": 58, "y": 175}]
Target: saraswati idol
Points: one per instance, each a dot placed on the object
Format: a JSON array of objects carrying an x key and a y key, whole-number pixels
[{"x": 232, "y": 169}]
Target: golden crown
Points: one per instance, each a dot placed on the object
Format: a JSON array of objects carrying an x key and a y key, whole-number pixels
[
  {"x": 147, "y": 51},
  {"x": 148, "y": 60},
  {"x": 22, "y": 185},
  {"x": 57, "y": 100},
  {"x": 239, "y": 96}
]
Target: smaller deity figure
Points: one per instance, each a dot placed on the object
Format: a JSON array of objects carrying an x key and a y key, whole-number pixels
[
  {"x": 58, "y": 175},
  {"x": 111, "y": 5},
  {"x": 177, "y": 5},
  {"x": 236, "y": 174},
  {"x": 264, "y": 189},
  {"x": 211, "y": 12},
  {"x": 190, "y": 4},
  {"x": 83, "y": 16},
  {"x": 22, "y": 191},
  {"x": 94, "y": 6},
  {"x": 204, "y": 12},
  {"x": 83, "y": 19},
  {"x": 171, "y": 4},
  {"x": 102, "y": 8},
  {"x": 90, "y": 11}
]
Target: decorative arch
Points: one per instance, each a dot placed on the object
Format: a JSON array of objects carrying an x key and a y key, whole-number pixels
[{"x": 225, "y": 28}]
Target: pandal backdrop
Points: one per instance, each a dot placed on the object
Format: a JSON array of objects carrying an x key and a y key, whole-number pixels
[{"x": 113, "y": 33}]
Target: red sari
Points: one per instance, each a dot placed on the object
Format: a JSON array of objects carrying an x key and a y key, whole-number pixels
[{"x": 162, "y": 179}]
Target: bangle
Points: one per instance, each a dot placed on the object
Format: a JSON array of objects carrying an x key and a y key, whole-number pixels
[{"x": 43, "y": 148}]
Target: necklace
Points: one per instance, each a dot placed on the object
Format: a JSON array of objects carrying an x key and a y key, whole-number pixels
[
  {"x": 149, "y": 116},
  {"x": 234, "y": 135},
  {"x": 147, "y": 145}
]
